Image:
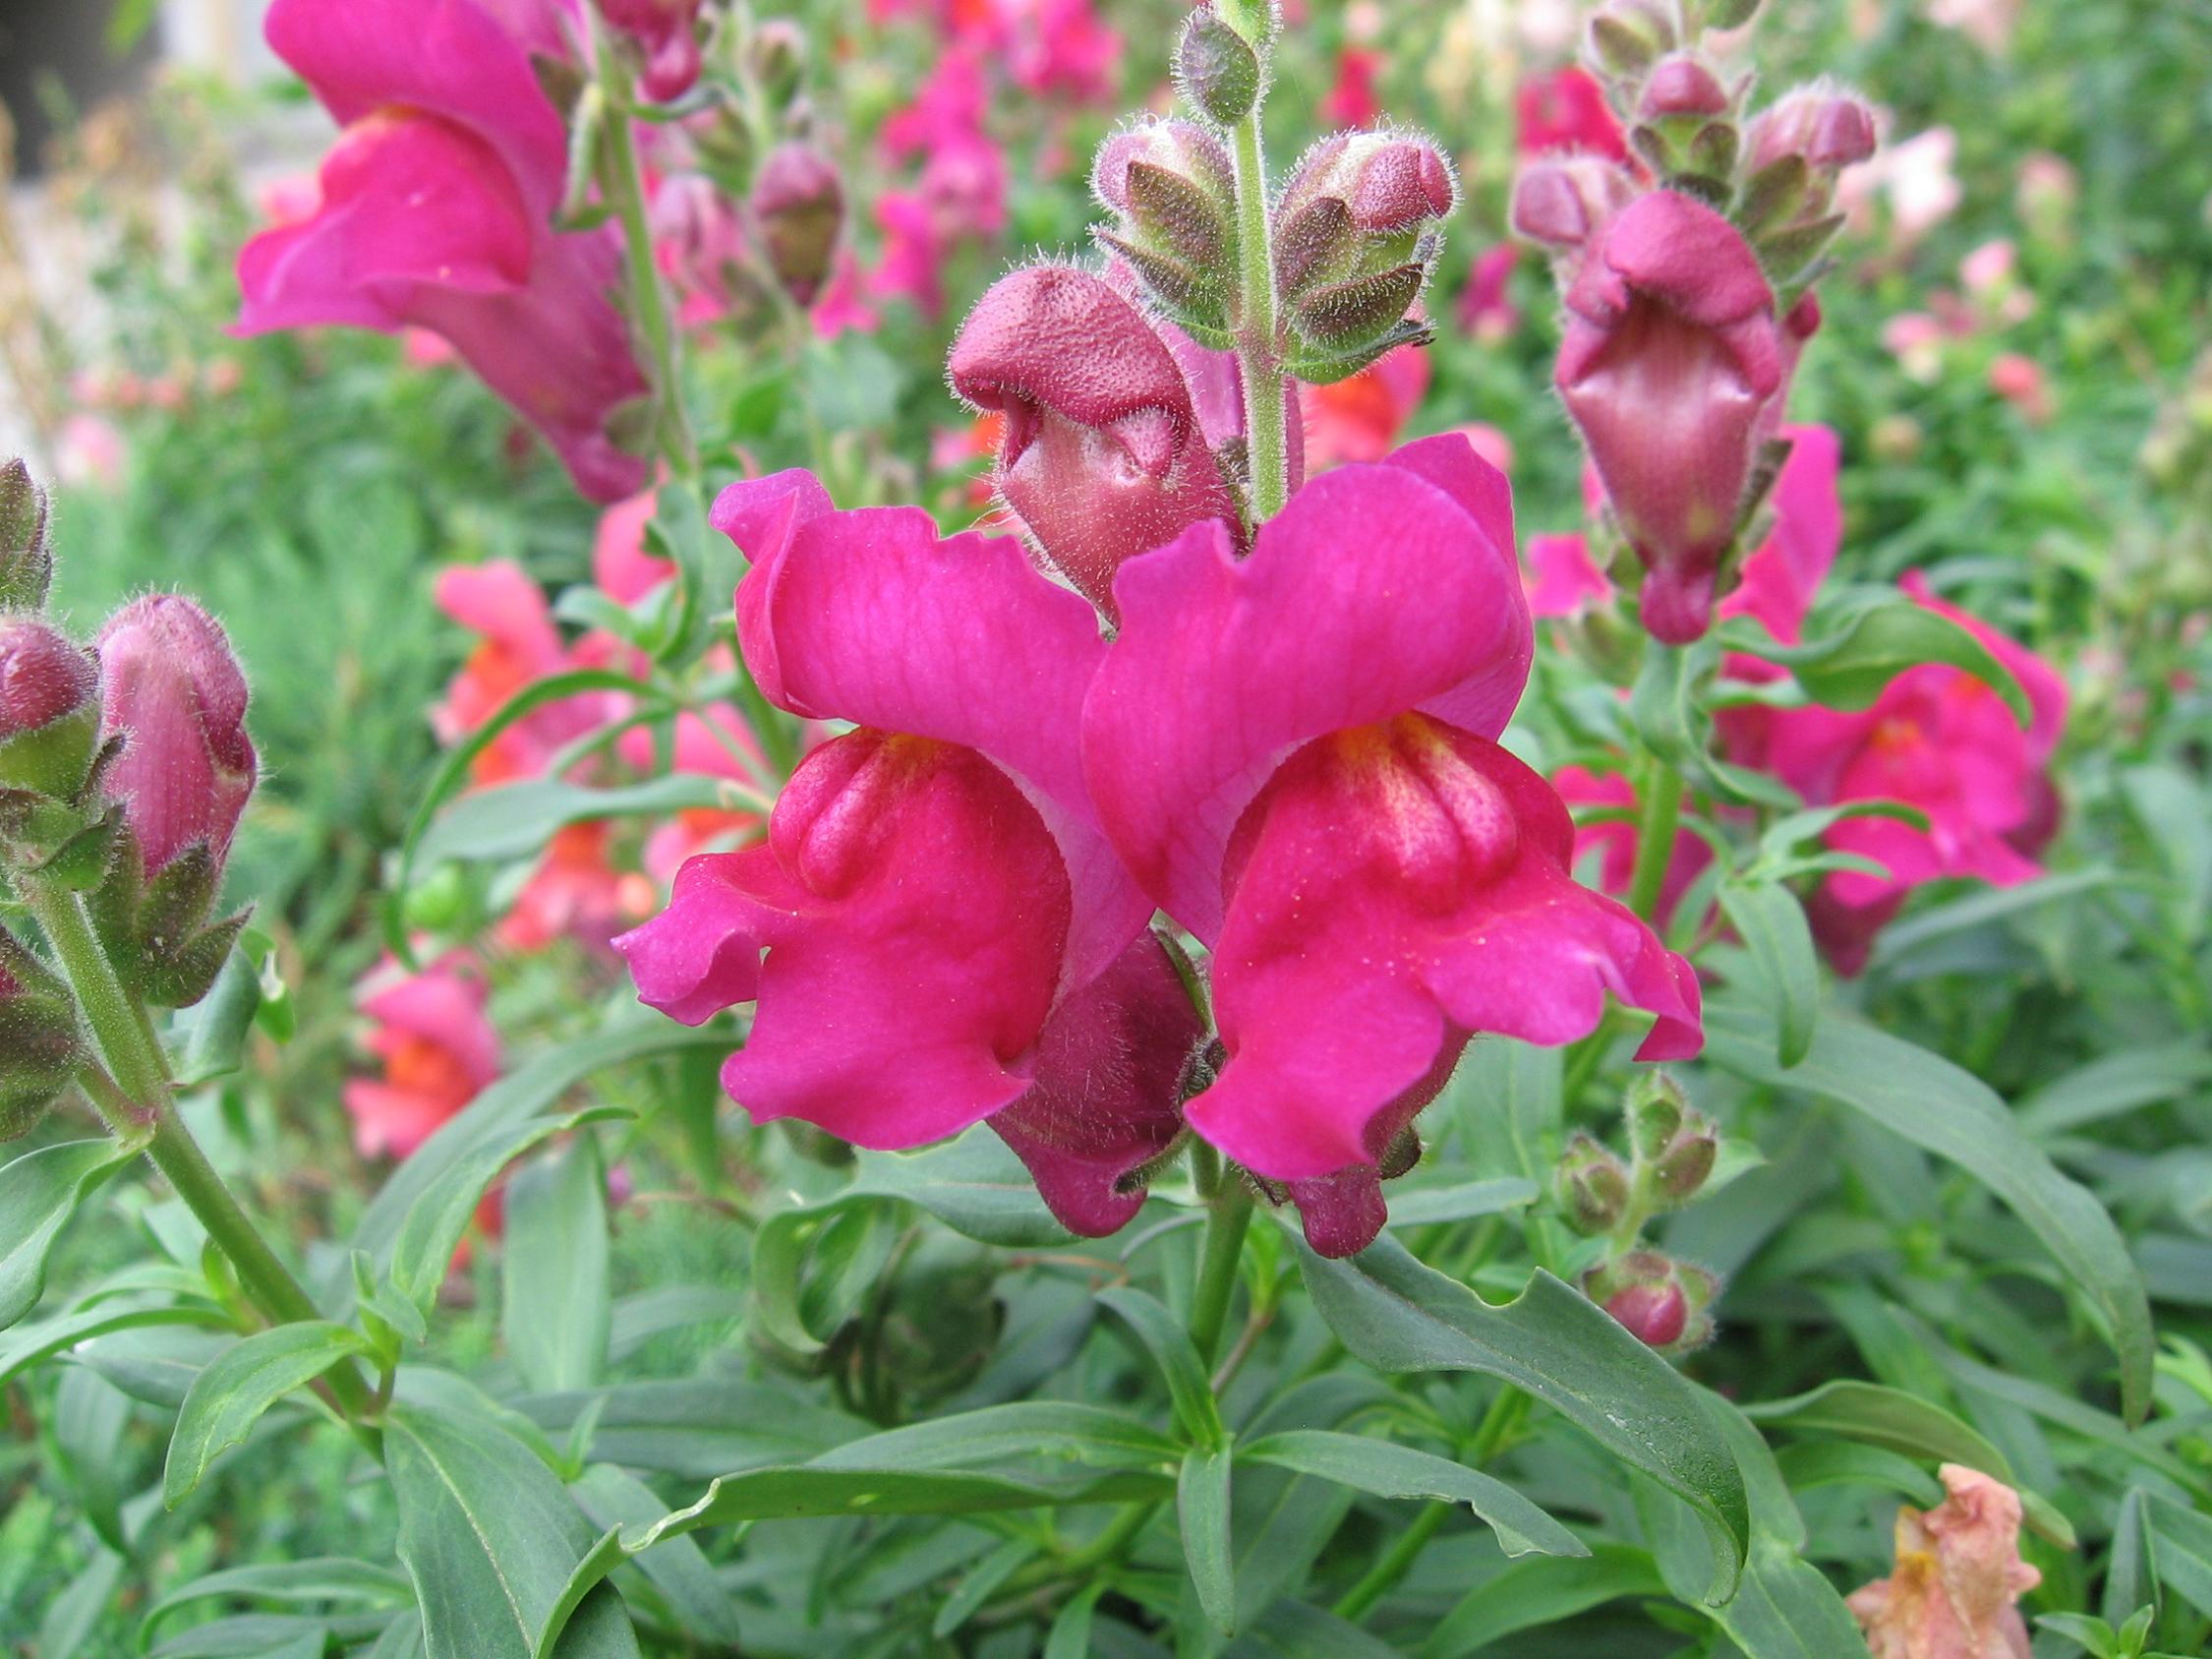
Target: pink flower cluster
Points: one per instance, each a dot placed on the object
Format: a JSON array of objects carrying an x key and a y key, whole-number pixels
[
  {"x": 1289, "y": 744},
  {"x": 435, "y": 211},
  {"x": 1936, "y": 738}
]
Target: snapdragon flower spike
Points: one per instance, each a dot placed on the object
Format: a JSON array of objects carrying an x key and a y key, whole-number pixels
[
  {"x": 934, "y": 883},
  {"x": 1295, "y": 754},
  {"x": 174, "y": 697},
  {"x": 1675, "y": 366},
  {"x": 437, "y": 213},
  {"x": 667, "y": 31},
  {"x": 1102, "y": 455}
]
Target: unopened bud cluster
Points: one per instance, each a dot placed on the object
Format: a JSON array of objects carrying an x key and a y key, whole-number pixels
[
  {"x": 1686, "y": 280},
  {"x": 1354, "y": 230},
  {"x": 124, "y": 770},
  {"x": 1602, "y": 1195}
]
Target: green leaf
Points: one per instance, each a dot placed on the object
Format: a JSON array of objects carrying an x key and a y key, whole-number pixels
[
  {"x": 1876, "y": 1415},
  {"x": 515, "y": 820},
  {"x": 28, "y": 1345},
  {"x": 1188, "y": 1392},
  {"x": 1772, "y": 926},
  {"x": 679, "y": 1569},
  {"x": 517, "y": 1098},
  {"x": 1070, "y": 1635},
  {"x": 1848, "y": 1462},
  {"x": 38, "y": 1193},
  {"x": 1943, "y": 1109},
  {"x": 1059, "y": 1428},
  {"x": 1414, "y": 1205},
  {"x": 1852, "y": 667},
  {"x": 453, "y": 773},
  {"x": 2185, "y": 1552},
  {"x": 792, "y": 1494},
  {"x": 432, "y": 1229},
  {"x": 1540, "y": 1591},
  {"x": 972, "y": 1183},
  {"x": 1401, "y": 1471},
  {"x": 981, "y": 1582},
  {"x": 69, "y": 1622},
  {"x": 2132, "y": 1566},
  {"x": 814, "y": 1267},
  {"x": 491, "y": 1540},
  {"x": 555, "y": 1307},
  {"x": 1201, "y": 1505},
  {"x": 1398, "y": 1315},
  {"x": 2116, "y": 1082},
  {"x": 314, "y": 1579},
  {"x": 230, "y": 1395}
]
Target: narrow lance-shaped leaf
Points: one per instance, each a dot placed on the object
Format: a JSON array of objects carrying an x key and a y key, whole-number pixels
[
  {"x": 40, "y": 1192},
  {"x": 228, "y": 1397},
  {"x": 1403, "y": 1472}
]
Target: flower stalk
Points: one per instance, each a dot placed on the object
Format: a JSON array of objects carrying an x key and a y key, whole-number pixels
[{"x": 1258, "y": 342}]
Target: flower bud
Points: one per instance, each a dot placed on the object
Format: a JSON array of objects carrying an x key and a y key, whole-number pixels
[
  {"x": 779, "y": 59},
  {"x": 1826, "y": 128},
  {"x": 1562, "y": 202},
  {"x": 1174, "y": 188},
  {"x": 26, "y": 564},
  {"x": 1217, "y": 69},
  {"x": 1354, "y": 249},
  {"x": 40, "y": 1049},
  {"x": 1592, "y": 1186},
  {"x": 1390, "y": 183},
  {"x": 49, "y": 701},
  {"x": 174, "y": 693},
  {"x": 667, "y": 31},
  {"x": 1627, "y": 36},
  {"x": 1659, "y": 1301},
  {"x": 1682, "y": 87},
  {"x": 799, "y": 203},
  {"x": 1102, "y": 457}
]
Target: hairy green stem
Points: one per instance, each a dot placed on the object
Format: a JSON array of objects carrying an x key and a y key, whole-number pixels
[
  {"x": 142, "y": 1100},
  {"x": 1657, "y": 823},
  {"x": 625, "y": 184},
  {"x": 1226, "y": 1225},
  {"x": 1258, "y": 350}
]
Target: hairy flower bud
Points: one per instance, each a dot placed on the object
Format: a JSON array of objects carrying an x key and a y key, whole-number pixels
[
  {"x": 49, "y": 701},
  {"x": 1592, "y": 1186},
  {"x": 40, "y": 1049},
  {"x": 1354, "y": 243},
  {"x": 26, "y": 564},
  {"x": 779, "y": 59},
  {"x": 799, "y": 203},
  {"x": 667, "y": 31},
  {"x": 1390, "y": 183},
  {"x": 1561, "y": 201},
  {"x": 1102, "y": 457},
  {"x": 174, "y": 693},
  {"x": 1625, "y": 37},
  {"x": 1659, "y": 1301},
  {"x": 1828, "y": 129},
  {"x": 1682, "y": 86},
  {"x": 1217, "y": 69}
]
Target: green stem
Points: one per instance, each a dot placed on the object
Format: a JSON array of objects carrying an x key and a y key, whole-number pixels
[
  {"x": 625, "y": 183},
  {"x": 1258, "y": 351},
  {"x": 141, "y": 1098},
  {"x": 1655, "y": 826},
  {"x": 1226, "y": 1225}
]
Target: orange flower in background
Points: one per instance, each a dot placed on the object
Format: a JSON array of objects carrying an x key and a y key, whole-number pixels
[
  {"x": 1959, "y": 1575},
  {"x": 439, "y": 1050},
  {"x": 1359, "y": 419}
]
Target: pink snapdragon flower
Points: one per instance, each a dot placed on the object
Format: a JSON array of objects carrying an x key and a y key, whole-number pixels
[
  {"x": 1941, "y": 741},
  {"x": 1566, "y": 113},
  {"x": 960, "y": 192},
  {"x": 935, "y": 891},
  {"x": 1561, "y": 580},
  {"x": 437, "y": 211},
  {"x": 1294, "y": 753},
  {"x": 436, "y": 1048},
  {"x": 1914, "y": 177},
  {"x": 1102, "y": 455},
  {"x": 1486, "y": 308},
  {"x": 1351, "y": 101},
  {"x": 519, "y": 644},
  {"x": 1958, "y": 1577},
  {"x": 1675, "y": 365}
]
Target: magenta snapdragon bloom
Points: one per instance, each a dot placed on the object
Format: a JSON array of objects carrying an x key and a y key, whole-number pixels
[
  {"x": 935, "y": 898},
  {"x": 1675, "y": 365},
  {"x": 1565, "y": 112},
  {"x": 1294, "y": 753},
  {"x": 437, "y": 213},
  {"x": 1940, "y": 740}
]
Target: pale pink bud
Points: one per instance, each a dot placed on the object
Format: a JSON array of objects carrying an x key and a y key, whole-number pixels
[
  {"x": 1389, "y": 181},
  {"x": 173, "y": 690},
  {"x": 1830, "y": 130},
  {"x": 1682, "y": 86},
  {"x": 798, "y": 201},
  {"x": 1561, "y": 201}
]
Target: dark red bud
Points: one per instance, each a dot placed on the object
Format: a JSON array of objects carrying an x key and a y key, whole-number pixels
[
  {"x": 1656, "y": 1314},
  {"x": 42, "y": 676},
  {"x": 1682, "y": 86}
]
